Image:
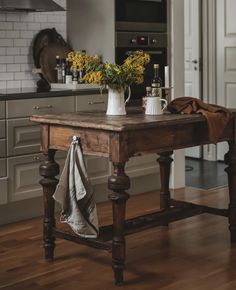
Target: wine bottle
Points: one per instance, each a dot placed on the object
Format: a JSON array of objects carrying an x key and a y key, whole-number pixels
[
  {"x": 156, "y": 83},
  {"x": 68, "y": 72},
  {"x": 58, "y": 70}
]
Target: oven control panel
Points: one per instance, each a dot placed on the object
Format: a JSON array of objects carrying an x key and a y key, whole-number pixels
[{"x": 134, "y": 39}]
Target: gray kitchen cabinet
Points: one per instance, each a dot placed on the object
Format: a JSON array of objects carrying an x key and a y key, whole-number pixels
[
  {"x": 2, "y": 109},
  {"x": 2, "y": 128},
  {"x": 98, "y": 169},
  {"x": 23, "y": 137},
  {"x": 91, "y": 102},
  {"x": 23, "y": 175},
  {"x": 3, "y": 167},
  {"x": 2, "y": 148},
  {"x": 3, "y": 190},
  {"x": 142, "y": 165},
  {"x": 25, "y": 108}
]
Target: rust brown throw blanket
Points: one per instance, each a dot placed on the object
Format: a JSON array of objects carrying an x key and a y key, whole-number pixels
[{"x": 217, "y": 116}]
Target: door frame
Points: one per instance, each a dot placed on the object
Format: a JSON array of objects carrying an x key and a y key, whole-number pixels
[
  {"x": 198, "y": 153},
  {"x": 209, "y": 64}
]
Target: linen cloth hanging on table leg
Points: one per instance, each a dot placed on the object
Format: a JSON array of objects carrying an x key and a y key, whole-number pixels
[{"x": 74, "y": 193}]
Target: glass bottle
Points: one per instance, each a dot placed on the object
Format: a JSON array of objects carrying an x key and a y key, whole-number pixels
[
  {"x": 68, "y": 77},
  {"x": 58, "y": 70},
  {"x": 156, "y": 83}
]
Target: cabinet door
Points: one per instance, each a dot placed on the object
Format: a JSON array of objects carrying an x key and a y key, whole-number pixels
[
  {"x": 23, "y": 137},
  {"x": 3, "y": 167},
  {"x": 3, "y": 191},
  {"x": 23, "y": 174},
  {"x": 2, "y": 109},
  {"x": 2, "y": 148},
  {"x": 142, "y": 165},
  {"x": 98, "y": 169},
  {"x": 91, "y": 102},
  {"x": 2, "y": 129}
]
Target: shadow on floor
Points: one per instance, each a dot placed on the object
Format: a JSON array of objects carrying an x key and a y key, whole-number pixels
[{"x": 205, "y": 174}]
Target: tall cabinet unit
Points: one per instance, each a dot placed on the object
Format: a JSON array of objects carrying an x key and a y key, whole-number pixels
[{"x": 3, "y": 165}]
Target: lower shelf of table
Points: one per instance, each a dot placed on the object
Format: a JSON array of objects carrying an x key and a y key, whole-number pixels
[{"x": 178, "y": 210}]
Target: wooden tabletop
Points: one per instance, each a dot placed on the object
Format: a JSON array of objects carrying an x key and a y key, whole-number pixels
[{"x": 135, "y": 119}]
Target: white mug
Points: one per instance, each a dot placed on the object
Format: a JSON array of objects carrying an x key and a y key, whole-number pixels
[{"x": 154, "y": 106}]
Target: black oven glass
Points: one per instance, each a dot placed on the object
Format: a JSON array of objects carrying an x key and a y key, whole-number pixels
[
  {"x": 153, "y": 11},
  {"x": 158, "y": 55}
]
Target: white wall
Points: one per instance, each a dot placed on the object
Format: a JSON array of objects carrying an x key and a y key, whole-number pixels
[
  {"x": 17, "y": 31},
  {"x": 177, "y": 81}
]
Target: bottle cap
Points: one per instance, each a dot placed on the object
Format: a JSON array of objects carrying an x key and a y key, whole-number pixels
[
  {"x": 148, "y": 89},
  {"x": 57, "y": 56},
  {"x": 156, "y": 65}
]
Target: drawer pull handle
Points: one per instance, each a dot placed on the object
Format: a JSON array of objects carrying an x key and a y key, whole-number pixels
[
  {"x": 42, "y": 107},
  {"x": 95, "y": 103}
]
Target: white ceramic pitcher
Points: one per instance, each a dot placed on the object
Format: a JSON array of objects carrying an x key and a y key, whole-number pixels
[{"x": 116, "y": 101}]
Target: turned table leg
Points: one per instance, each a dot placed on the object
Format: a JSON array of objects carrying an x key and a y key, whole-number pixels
[
  {"x": 165, "y": 165},
  {"x": 118, "y": 183},
  {"x": 230, "y": 160},
  {"x": 49, "y": 170}
]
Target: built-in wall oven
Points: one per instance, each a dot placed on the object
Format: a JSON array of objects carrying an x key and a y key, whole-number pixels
[
  {"x": 144, "y": 15},
  {"x": 153, "y": 43}
]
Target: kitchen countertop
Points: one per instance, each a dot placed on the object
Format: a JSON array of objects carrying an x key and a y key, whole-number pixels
[{"x": 29, "y": 93}]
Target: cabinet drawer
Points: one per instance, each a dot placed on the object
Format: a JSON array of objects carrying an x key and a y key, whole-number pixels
[
  {"x": 91, "y": 102},
  {"x": 142, "y": 165},
  {"x": 2, "y": 109},
  {"x": 3, "y": 167},
  {"x": 23, "y": 137},
  {"x": 24, "y": 108},
  {"x": 4, "y": 191},
  {"x": 2, "y": 148},
  {"x": 23, "y": 175},
  {"x": 98, "y": 169},
  {"x": 2, "y": 128}
]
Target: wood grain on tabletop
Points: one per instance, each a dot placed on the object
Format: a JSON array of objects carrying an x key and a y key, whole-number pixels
[{"x": 191, "y": 254}]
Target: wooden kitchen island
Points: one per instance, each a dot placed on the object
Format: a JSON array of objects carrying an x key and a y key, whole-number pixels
[{"x": 119, "y": 138}]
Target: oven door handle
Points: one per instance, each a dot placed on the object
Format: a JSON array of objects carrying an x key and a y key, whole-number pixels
[
  {"x": 156, "y": 52},
  {"x": 158, "y": 1}
]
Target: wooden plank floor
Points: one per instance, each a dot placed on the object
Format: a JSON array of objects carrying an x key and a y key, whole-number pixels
[{"x": 191, "y": 254}]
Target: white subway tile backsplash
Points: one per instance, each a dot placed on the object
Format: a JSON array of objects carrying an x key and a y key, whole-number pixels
[
  {"x": 12, "y": 34},
  {"x": 3, "y": 67},
  {"x": 6, "y": 59},
  {"x": 17, "y": 31},
  {"x": 20, "y": 25},
  {"x": 20, "y": 42},
  {"x": 13, "y": 51},
  {"x": 2, "y": 51},
  {"x": 33, "y": 26},
  {"x": 13, "y": 17},
  {"x": 25, "y": 50},
  {"x": 6, "y": 42},
  {"x": 6, "y": 76},
  {"x": 40, "y": 17},
  {"x": 13, "y": 84},
  {"x": 26, "y": 67},
  {"x": 26, "y": 34},
  {"x": 27, "y": 84},
  {"x": 21, "y": 58},
  {"x": 13, "y": 67},
  {"x": 2, "y": 34},
  {"x": 3, "y": 85},
  {"x": 27, "y": 17},
  {"x": 6, "y": 25},
  {"x": 2, "y": 16}
]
